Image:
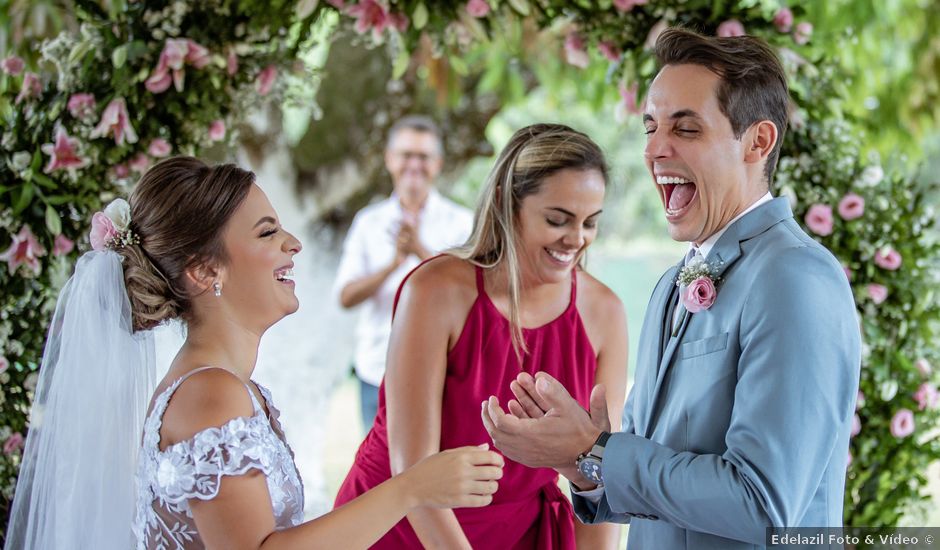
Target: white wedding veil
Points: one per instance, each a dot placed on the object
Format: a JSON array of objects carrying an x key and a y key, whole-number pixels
[{"x": 76, "y": 487}]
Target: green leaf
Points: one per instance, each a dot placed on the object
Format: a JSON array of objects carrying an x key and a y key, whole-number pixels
[
  {"x": 119, "y": 56},
  {"x": 402, "y": 60},
  {"x": 459, "y": 65},
  {"x": 22, "y": 201},
  {"x": 419, "y": 18},
  {"x": 44, "y": 181},
  {"x": 521, "y": 6},
  {"x": 53, "y": 223}
]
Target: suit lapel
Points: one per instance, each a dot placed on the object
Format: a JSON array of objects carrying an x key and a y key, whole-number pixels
[{"x": 726, "y": 252}]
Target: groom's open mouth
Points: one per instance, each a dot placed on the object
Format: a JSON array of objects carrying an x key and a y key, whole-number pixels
[{"x": 677, "y": 193}]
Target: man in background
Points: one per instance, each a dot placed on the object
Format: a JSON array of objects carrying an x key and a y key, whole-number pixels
[{"x": 388, "y": 239}]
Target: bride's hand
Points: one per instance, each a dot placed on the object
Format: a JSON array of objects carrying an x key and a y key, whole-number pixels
[{"x": 465, "y": 477}]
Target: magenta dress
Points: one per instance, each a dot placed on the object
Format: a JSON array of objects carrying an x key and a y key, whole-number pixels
[{"x": 528, "y": 511}]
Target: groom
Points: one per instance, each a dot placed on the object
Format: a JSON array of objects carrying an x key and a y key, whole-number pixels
[{"x": 741, "y": 409}]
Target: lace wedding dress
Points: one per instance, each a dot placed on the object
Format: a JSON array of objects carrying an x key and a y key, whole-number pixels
[{"x": 194, "y": 468}]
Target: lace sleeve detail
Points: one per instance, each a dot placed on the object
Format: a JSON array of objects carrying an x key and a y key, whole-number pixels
[{"x": 194, "y": 468}]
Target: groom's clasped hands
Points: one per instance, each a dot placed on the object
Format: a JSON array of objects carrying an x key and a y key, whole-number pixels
[{"x": 545, "y": 426}]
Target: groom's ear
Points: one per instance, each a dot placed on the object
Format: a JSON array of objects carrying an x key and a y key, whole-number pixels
[{"x": 759, "y": 141}]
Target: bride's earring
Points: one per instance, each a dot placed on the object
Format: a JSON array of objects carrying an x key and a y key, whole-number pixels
[{"x": 217, "y": 286}]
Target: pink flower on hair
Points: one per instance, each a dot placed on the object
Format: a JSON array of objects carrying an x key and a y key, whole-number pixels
[
  {"x": 217, "y": 130},
  {"x": 13, "y": 443},
  {"x": 102, "y": 231},
  {"x": 139, "y": 163},
  {"x": 159, "y": 148},
  {"x": 877, "y": 293},
  {"x": 783, "y": 20},
  {"x": 819, "y": 219},
  {"x": 265, "y": 80},
  {"x": 575, "y": 54},
  {"x": 231, "y": 62},
  {"x": 609, "y": 50},
  {"x": 888, "y": 258},
  {"x": 927, "y": 396},
  {"x": 32, "y": 87},
  {"x": 81, "y": 106},
  {"x": 802, "y": 32},
  {"x": 923, "y": 366},
  {"x": 62, "y": 245},
  {"x": 730, "y": 28},
  {"x": 856, "y": 425},
  {"x": 63, "y": 153},
  {"x": 116, "y": 120},
  {"x": 851, "y": 207},
  {"x": 902, "y": 424},
  {"x": 478, "y": 8},
  {"x": 25, "y": 249},
  {"x": 628, "y": 5},
  {"x": 700, "y": 295},
  {"x": 12, "y": 65}
]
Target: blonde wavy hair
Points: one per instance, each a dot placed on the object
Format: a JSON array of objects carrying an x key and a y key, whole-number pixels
[{"x": 532, "y": 154}]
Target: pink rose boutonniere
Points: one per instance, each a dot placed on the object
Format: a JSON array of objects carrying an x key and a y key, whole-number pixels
[{"x": 700, "y": 285}]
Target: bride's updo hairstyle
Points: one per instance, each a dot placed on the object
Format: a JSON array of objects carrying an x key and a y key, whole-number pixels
[{"x": 178, "y": 210}]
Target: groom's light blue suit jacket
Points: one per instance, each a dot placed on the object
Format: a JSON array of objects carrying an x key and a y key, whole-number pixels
[{"x": 740, "y": 421}]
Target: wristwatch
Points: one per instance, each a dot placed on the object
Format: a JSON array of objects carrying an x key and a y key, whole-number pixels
[{"x": 589, "y": 463}]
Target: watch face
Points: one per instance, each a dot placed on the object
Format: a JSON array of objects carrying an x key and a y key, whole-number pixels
[{"x": 590, "y": 468}]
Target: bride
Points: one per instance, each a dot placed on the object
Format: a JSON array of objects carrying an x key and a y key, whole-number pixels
[{"x": 203, "y": 244}]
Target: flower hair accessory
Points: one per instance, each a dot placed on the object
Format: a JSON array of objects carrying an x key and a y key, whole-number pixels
[
  {"x": 700, "y": 285},
  {"x": 111, "y": 228}
]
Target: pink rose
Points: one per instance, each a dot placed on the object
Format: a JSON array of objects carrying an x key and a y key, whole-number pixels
[
  {"x": 102, "y": 231},
  {"x": 139, "y": 163},
  {"x": 13, "y": 443},
  {"x": 63, "y": 154},
  {"x": 12, "y": 65},
  {"x": 81, "y": 106},
  {"x": 888, "y": 258},
  {"x": 62, "y": 245},
  {"x": 783, "y": 20},
  {"x": 265, "y": 80},
  {"x": 700, "y": 295},
  {"x": 856, "y": 425},
  {"x": 4, "y": 364},
  {"x": 923, "y": 366},
  {"x": 902, "y": 424},
  {"x": 927, "y": 396},
  {"x": 478, "y": 8},
  {"x": 609, "y": 50},
  {"x": 159, "y": 148},
  {"x": 32, "y": 87},
  {"x": 851, "y": 207},
  {"x": 628, "y": 5},
  {"x": 116, "y": 120},
  {"x": 802, "y": 32},
  {"x": 877, "y": 293},
  {"x": 217, "y": 130},
  {"x": 231, "y": 62},
  {"x": 575, "y": 54},
  {"x": 25, "y": 249},
  {"x": 819, "y": 219},
  {"x": 730, "y": 28}
]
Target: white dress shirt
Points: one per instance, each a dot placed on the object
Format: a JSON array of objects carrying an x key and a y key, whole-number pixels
[{"x": 370, "y": 247}]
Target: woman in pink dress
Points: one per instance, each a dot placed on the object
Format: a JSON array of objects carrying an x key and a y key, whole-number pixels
[{"x": 482, "y": 319}]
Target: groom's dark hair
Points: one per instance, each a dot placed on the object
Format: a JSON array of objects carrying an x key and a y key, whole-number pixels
[{"x": 753, "y": 83}]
